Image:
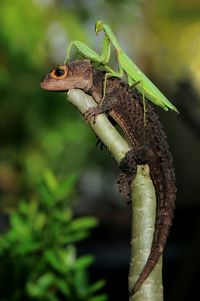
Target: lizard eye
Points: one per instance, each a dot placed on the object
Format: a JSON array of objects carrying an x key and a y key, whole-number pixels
[{"x": 59, "y": 72}]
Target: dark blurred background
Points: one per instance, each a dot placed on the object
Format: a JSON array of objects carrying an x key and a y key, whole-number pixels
[{"x": 40, "y": 131}]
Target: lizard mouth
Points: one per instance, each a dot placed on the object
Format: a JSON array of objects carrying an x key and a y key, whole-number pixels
[
  {"x": 52, "y": 86},
  {"x": 43, "y": 85}
]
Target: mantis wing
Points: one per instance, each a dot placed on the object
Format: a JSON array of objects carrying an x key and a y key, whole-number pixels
[{"x": 150, "y": 91}]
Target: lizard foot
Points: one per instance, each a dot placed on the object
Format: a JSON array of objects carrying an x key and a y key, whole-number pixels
[{"x": 91, "y": 113}]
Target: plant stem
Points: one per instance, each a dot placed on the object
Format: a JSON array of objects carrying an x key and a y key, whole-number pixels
[
  {"x": 143, "y": 222},
  {"x": 143, "y": 203},
  {"x": 102, "y": 127}
]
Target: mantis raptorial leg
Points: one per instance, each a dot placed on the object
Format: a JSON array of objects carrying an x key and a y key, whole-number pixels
[{"x": 90, "y": 54}]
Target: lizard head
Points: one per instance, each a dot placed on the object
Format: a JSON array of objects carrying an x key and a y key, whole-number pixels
[{"x": 76, "y": 74}]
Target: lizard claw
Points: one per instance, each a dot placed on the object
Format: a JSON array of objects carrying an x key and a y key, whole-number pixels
[{"x": 91, "y": 113}]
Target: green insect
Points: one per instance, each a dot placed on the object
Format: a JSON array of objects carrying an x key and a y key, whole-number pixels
[{"x": 134, "y": 75}]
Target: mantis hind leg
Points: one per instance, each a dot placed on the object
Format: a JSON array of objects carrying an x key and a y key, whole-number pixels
[{"x": 134, "y": 84}]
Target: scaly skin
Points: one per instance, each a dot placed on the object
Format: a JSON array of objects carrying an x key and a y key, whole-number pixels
[{"x": 148, "y": 142}]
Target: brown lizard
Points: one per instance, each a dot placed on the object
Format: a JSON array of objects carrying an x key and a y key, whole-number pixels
[{"x": 147, "y": 140}]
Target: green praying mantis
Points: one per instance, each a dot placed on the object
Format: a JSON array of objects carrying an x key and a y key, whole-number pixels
[{"x": 134, "y": 75}]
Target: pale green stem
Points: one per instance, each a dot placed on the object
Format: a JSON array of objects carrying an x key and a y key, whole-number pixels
[
  {"x": 102, "y": 127},
  {"x": 143, "y": 203},
  {"x": 143, "y": 222}
]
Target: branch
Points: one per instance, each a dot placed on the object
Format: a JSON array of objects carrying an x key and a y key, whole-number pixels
[
  {"x": 143, "y": 222},
  {"x": 105, "y": 131},
  {"x": 143, "y": 202}
]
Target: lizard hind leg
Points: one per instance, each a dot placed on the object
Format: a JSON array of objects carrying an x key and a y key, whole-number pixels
[
  {"x": 123, "y": 183},
  {"x": 128, "y": 167}
]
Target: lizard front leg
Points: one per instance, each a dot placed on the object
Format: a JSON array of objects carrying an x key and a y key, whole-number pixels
[
  {"x": 105, "y": 107},
  {"x": 92, "y": 113}
]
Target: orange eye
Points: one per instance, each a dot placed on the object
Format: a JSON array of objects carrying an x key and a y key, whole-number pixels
[{"x": 59, "y": 72}]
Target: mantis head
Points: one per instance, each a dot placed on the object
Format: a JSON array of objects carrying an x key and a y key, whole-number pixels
[{"x": 98, "y": 26}]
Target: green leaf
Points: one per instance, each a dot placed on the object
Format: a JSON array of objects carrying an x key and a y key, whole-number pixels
[
  {"x": 96, "y": 287},
  {"x": 65, "y": 188},
  {"x": 68, "y": 256},
  {"x": 74, "y": 237},
  {"x": 37, "y": 288},
  {"x": 63, "y": 286},
  {"x": 52, "y": 258},
  {"x": 50, "y": 181},
  {"x": 39, "y": 221},
  {"x": 32, "y": 208},
  {"x": 81, "y": 281},
  {"x": 84, "y": 262},
  {"x": 26, "y": 247},
  {"x": 62, "y": 260},
  {"x": 102, "y": 297},
  {"x": 45, "y": 280},
  {"x": 47, "y": 198},
  {"x": 83, "y": 223},
  {"x": 20, "y": 228},
  {"x": 63, "y": 216},
  {"x": 23, "y": 207}
]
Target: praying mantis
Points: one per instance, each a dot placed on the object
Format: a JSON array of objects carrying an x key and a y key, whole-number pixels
[{"x": 134, "y": 75}]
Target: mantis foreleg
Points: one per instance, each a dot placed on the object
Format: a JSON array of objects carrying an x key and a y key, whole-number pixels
[
  {"x": 111, "y": 73},
  {"x": 90, "y": 54}
]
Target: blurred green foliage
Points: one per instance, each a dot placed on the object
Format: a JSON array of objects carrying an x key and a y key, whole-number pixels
[
  {"x": 37, "y": 254},
  {"x": 37, "y": 129},
  {"x": 39, "y": 132}
]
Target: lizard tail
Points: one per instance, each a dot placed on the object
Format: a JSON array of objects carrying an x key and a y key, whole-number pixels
[{"x": 164, "y": 181}]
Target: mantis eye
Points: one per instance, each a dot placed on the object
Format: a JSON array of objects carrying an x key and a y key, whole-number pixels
[{"x": 59, "y": 72}]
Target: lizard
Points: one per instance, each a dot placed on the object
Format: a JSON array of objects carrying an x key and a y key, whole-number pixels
[{"x": 148, "y": 141}]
